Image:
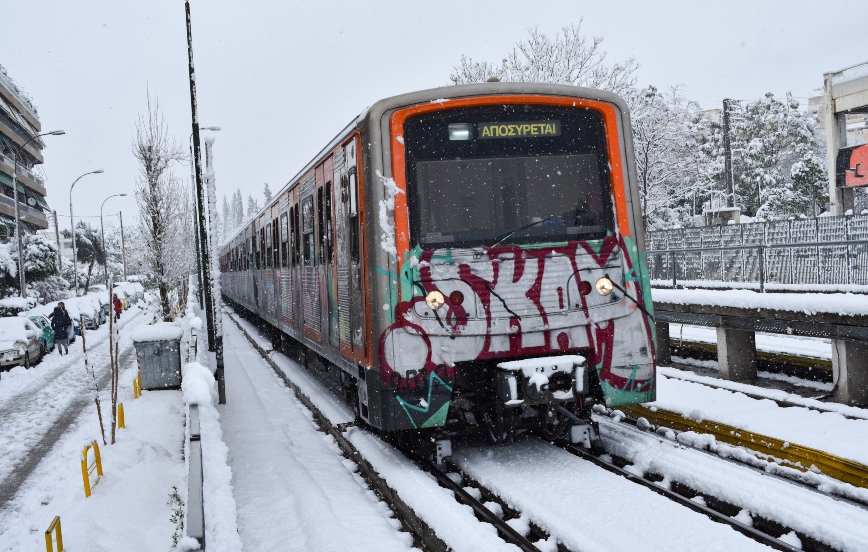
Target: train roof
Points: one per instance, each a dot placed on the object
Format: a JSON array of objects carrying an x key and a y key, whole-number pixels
[{"x": 444, "y": 94}]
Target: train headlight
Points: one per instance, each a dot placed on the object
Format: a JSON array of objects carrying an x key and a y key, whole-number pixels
[
  {"x": 435, "y": 300},
  {"x": 460, "y": 131},
  {"x": 605, "y": 286}
]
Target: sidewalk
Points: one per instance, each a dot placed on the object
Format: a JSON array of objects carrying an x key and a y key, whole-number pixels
[{"x": 292, "y": 487}]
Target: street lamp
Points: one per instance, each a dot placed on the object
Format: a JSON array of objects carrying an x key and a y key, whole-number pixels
[
  {"x": 102, "y": 236},
  {"x": 15, "y": 151},
  {"x": 72, "y": 223}
]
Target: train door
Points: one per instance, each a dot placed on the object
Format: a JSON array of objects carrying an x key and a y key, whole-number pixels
[
  {"x": 349, "y": 257},
  {"x": 297, "y": 263},
  {"x": 321, "y": 262},
  {"x": 310, "y": 281},
  {"x": 254, "y": 272},
  {"x": 331, "y": 270},
  {"x": 285, "y": 275}
]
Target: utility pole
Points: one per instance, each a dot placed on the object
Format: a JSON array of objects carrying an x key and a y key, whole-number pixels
[
  {"x": 727, "y": 156},
  {"x": 212, "y": 268},
  {"x": 123, "y": 245},
  {"x": 200, "y": 192},
  {"x": 57, "y": 235}
]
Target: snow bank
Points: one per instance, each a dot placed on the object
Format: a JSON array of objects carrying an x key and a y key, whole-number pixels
[
  {"x": 13, "y": 330},
  {"x": 846, "y": 304},
  {"x": 161, "y": 331},
  {"x": 221, "y": 530},
  {"x": 11, "y": 306}
]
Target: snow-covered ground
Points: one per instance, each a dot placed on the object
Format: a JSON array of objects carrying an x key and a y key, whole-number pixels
[
  {"x": 827, "y": 431},
  {"x": 293, "y": 488},
  {"x": 129, "y": 508}
]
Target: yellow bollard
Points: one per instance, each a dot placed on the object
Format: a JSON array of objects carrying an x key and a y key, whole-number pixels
[
  {"x": 55, "y": 527},
  {"x": 86, "y": 469},
  {"x": 136, "y": 389},
  {"x": 121, "y": 423}
]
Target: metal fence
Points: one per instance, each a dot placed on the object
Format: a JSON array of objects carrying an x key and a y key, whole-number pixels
[{"x": 816, "y": 251}]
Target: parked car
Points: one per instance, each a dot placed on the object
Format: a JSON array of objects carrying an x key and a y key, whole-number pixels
[
  {"x": 74, "y": 330},
  {"x": 19, "y": 342},
  {"x": 47, "y": 336},
  {"x": 89, "y": 323}
]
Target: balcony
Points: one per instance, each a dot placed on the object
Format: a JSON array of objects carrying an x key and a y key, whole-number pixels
[
  {"x": 27, "y": 176},
  {"x": 28, "y": 213}
]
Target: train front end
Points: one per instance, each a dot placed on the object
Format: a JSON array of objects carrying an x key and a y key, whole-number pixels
[{"x": 517, "y": 295}]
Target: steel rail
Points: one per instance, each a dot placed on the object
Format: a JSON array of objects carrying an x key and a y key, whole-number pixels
[
  {"x": 795, "y": 456},
  {"x": 411, "y": 521},
  {"x": 714, "y": 515}
]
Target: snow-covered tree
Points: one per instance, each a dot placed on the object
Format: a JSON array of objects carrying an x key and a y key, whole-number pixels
[
  {"x": 237, "y": 209},
  {"x": 164, "y": 208},
  {"x": 252, "y": 206},
  {"x": 568, "y": 57},
  {"x": 266, "y": 193},
  {"x": 769, "y": 138},
  {"x": 40, "y": 269},
  {"x": 227, "y": 221}
]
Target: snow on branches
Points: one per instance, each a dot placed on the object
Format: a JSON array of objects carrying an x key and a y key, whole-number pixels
[{"x": 165, "y": 214}]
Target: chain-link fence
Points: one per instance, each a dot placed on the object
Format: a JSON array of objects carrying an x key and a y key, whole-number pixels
[{"x": 815, "y": 251}]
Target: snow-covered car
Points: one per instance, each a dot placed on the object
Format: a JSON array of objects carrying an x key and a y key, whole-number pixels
[
  {"x": 47, "y": 335},
  {"x": 19, "y": 342}
]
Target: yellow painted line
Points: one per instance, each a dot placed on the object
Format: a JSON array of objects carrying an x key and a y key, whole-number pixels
[{"x": 794, "y": 455}]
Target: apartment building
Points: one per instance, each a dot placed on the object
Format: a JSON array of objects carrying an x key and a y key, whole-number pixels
[{"x": 19, "y": 122}]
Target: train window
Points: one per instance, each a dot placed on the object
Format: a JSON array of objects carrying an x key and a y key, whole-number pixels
[
  {"x": 296, "y": 234},
  {"x": 320, "y": 227},
  {"x": 293, "y": 231},
  {"x": 307, "y": 223},
  {"x": 268, "y": 248},
  {"x": 354, "y": 210},
  {"x": 275, "y": 233},
  {"x": 284, "y": 239},
  {"x": 329, "y": 238},
  {"x": 540, "y": 167},
  {"x": 260, "y": 253}
]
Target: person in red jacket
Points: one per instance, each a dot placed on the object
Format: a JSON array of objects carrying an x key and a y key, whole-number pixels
[{"x": 118, "y": 306}]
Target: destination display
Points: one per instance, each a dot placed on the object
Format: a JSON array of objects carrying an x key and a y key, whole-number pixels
[{"x": 523, "y": 129}]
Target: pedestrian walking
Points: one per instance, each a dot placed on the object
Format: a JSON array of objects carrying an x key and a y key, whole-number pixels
[
  {"x": 118, "y": 307},
  {"x": 60, "y": 323}
]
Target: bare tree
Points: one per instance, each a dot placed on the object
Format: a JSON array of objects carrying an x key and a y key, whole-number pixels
[
  {"x": 569, "y": 57},
  {"x": 163, "y": 207}
]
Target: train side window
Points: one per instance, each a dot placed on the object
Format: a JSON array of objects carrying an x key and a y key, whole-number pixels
[
  {"x": 268, "y": 245},
  {"x": 261, "y": 251},
  {"x": 275, "y": 235},
  {"x": 292, "y": 232},
  {"x": 354, "y": 218},
  {"x": 329, "y": 237},
  {"x": 296, "y": 233},
  {"x": 307, "y": 227},
  {"x": 284, "y": 238},
  {"x": 320, "y": 227}
]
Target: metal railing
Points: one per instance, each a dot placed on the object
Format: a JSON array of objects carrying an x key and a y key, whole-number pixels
[
  {"x": 196, "y": 482},
  {"x": 819, "y": 251}
]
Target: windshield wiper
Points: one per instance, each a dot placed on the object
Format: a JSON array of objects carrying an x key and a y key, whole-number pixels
[{"x": 511, "y": 232}]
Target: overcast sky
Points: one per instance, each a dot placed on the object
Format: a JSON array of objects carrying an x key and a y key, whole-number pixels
[{"x": 282, "y": 78}]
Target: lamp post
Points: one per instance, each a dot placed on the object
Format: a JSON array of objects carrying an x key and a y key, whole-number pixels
[
  {"x": 15, "y": 152},
  {"x": 72, "y": 223},
  {"x": 102, "y": 236}
]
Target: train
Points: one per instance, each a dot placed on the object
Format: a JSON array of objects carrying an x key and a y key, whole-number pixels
[{"x": 463, "y": 260}]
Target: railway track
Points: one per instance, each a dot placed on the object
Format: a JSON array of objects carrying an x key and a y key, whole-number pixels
[{"x": 510, "y": 523}]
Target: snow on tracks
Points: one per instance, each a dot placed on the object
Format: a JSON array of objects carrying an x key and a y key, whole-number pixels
[{"x": 587, "y": 508}]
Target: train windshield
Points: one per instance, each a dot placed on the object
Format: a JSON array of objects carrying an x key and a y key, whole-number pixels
[{"x": 474, "y": 175}]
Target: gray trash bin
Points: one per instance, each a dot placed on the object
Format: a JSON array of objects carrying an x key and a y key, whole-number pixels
[{"x": 158, "y": 350}]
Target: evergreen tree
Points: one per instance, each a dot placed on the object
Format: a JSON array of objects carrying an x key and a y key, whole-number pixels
[
  {"x": 227, "y": 220},
  {"x": 252, "y": 206},
  {"x": 266, "y": 191}
]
